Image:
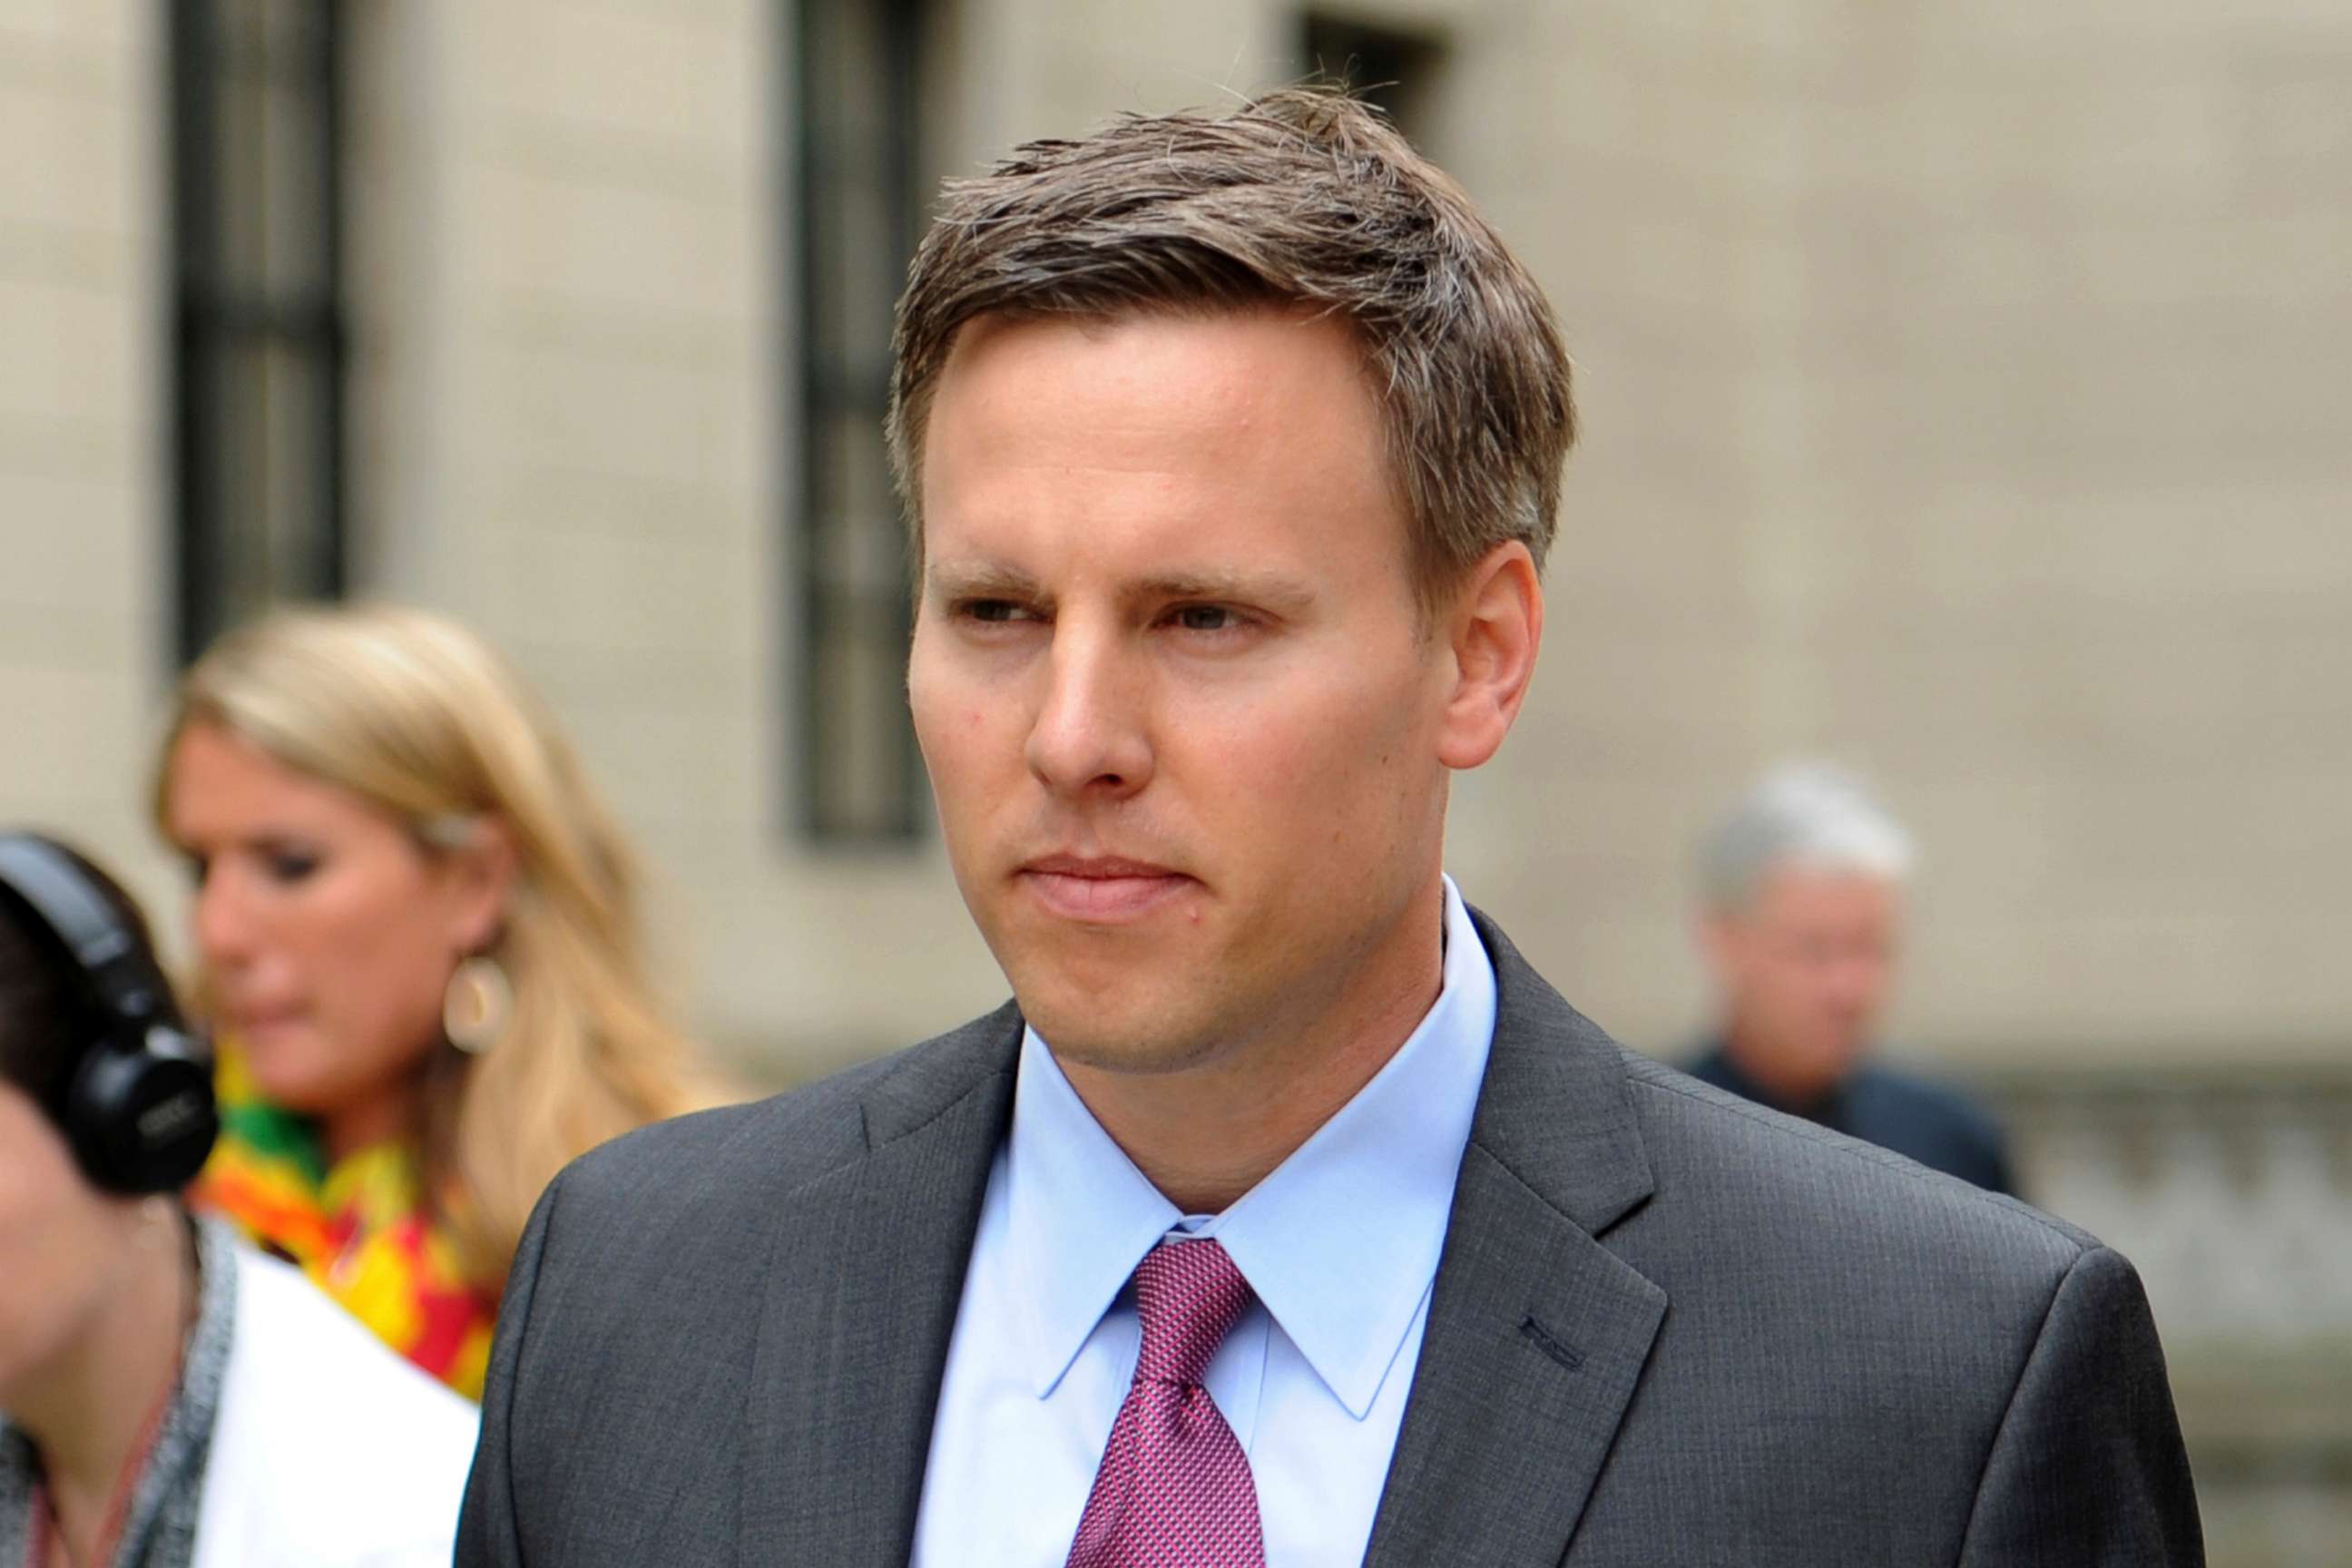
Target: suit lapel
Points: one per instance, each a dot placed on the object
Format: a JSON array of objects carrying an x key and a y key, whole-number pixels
[
  {"x": 862, "y": 1292},
  {"x": 1537, "y": 1334},
  {"x": 1535, "y": 1342}
]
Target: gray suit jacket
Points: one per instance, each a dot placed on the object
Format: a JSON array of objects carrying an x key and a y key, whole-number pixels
[{"x": 1669, "y": 1328}]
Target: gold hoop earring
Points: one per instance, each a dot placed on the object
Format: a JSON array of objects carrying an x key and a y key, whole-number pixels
[{"x": 478, "y": 1006}]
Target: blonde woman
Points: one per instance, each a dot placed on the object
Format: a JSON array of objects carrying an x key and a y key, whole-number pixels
[{"x": 417, "y": 932}]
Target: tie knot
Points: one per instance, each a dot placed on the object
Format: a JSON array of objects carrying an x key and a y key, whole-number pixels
[{"x": 1189, "y": 1295}]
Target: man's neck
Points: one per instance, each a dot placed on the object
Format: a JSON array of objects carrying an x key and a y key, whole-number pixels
[
  {"x": 1206, "y": 1134},
  {"x": 87, "y": 1408}
]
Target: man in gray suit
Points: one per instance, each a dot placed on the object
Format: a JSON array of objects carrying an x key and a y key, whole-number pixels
[{"x": 1286, "y": 1216}]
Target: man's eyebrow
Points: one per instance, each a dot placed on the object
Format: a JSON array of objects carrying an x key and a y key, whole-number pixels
[
  {"x": 979, "y": 580},
  {"x": 1265, "y": 590},
  {"x": 965, "y": 580}
]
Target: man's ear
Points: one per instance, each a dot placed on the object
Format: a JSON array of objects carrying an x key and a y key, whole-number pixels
[
  {"x": 1493, "y": 630},
  {"x": 481, "y": 875}
]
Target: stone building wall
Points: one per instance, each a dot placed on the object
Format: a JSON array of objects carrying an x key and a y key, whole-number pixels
[{"x": 1963, "y": 398}]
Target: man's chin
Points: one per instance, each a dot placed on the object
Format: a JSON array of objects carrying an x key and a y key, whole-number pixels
[
  {"x": 1124, "y": 1041},
  {"x": 1131, "y": 1057}
]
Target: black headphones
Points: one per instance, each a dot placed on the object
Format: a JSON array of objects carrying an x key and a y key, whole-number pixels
[{"x": 138, "y": 1108}]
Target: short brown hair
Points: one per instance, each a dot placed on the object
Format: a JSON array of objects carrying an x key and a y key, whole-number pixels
[{"x": 1302, "y": 196}]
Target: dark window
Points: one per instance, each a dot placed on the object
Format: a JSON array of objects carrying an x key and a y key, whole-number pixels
[
  {"x": 1384, "y": 66},
  {"x": 259, "y": 311},
  {"x": 861, "y": 185}
]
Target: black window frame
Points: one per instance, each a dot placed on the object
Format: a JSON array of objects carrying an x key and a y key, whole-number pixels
[
  {"x": 843, "y": 382},
  {"x": 1387, "y": 66},
  {"x": 217, "y": 315}
]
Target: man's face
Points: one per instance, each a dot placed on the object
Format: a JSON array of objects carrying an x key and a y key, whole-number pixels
[
  {"x": 1806, "y": 970},
  {"x": 1181, "y": 716}
]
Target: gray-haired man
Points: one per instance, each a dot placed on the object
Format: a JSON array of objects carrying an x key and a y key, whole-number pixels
[{"x": 1802, "y": 886}]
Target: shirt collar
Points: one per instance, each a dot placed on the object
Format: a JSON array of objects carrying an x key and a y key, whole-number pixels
[{"x": 1341, "y": 1241}]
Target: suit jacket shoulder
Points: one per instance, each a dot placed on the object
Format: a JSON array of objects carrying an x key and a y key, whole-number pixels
[
  {"x": 751, "y": 1279},
  {"x": 739, "y": 1155},
  {"x": 1929, "y": 1122},
  {"x": 1933, "y": 1123},
  {"x": 1900, "y": 1327},
  {"x": 1743, "y": 1158},
  {"x": 1672, "y": 1325},
  {"x": 1969, "y": 1379}
]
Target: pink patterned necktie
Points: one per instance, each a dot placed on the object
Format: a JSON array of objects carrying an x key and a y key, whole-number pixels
[{"x": 1174, "y": 1490}]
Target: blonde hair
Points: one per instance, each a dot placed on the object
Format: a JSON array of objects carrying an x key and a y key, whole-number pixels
[{"x": 417, "y": 716}]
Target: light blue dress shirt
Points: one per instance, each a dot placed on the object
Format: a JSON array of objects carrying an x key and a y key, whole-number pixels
[{"x": 1340, "y": 1243}]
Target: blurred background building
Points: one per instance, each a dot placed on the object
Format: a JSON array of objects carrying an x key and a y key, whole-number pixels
[{"x": 1965, "y": 399}]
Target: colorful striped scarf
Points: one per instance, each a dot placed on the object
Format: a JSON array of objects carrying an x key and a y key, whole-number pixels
[{"x": 360, "y": 1229}]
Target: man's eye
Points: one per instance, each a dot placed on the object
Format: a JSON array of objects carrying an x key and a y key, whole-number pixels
[
  {"x": 1206, "y": 618},
  {"x": 995, "y": 612}
]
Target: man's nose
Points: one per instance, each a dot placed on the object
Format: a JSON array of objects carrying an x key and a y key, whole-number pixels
[{"x": 1090, "y": 735}]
